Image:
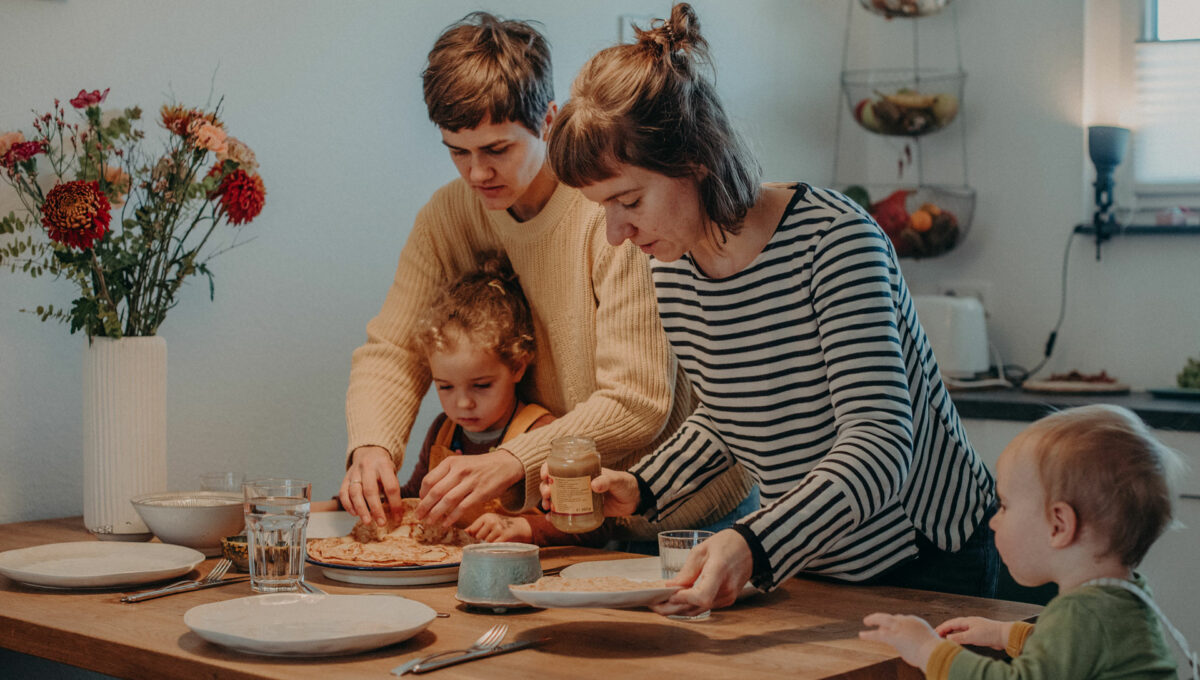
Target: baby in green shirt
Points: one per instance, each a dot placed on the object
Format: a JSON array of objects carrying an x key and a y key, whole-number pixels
[{"x": 1083, "y": 495}]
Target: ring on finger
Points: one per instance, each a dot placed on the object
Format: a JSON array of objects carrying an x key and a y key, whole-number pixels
[{"x": 356, "y": 481}]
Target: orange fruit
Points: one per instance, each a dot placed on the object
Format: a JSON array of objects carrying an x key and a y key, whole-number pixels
[{"x": 921, "y": 221}]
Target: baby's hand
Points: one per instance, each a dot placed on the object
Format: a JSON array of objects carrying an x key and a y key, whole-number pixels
[
  {"x": 911, "y": 636},
  {"x": 494, "y": 528},
  {"x": 975, "y": 630}
]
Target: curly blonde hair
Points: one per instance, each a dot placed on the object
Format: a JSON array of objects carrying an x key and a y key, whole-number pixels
[{"x": 485, "y": 307}]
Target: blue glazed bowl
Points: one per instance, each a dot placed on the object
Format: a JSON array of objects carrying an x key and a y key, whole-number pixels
[{"x": 488, "y": 569}]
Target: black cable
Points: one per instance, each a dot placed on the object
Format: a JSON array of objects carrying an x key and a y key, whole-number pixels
[{"x": 1023, "y": 375}]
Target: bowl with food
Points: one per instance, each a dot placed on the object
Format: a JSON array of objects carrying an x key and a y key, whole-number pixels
[
  {"x": 196, "y": 519},
  {"x": 903, "y": 102}
]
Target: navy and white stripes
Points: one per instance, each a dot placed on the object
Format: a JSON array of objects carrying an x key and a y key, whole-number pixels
[{"x": 814, "y": 373}]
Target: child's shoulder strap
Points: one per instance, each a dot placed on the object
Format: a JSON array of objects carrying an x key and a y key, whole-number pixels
[
  {"x": 524, "y": 419},
  {"x": 445, "y": 434}
]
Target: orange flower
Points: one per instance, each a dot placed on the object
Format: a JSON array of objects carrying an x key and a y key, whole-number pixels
[
  {"x": 205, "y": 135},
  {"x": 118, "y": 182},
  {"x": 76, "y": 214},
  {"x": 8, "y": 139},
  {"x": 177, "y": 119},
  {"x": 242, "y": 196}
]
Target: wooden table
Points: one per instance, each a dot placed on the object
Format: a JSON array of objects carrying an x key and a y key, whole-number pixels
[{"x": 806, "y": 629}]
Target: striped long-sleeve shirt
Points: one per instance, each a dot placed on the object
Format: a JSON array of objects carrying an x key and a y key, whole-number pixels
[{"x": 814, "y": 372}]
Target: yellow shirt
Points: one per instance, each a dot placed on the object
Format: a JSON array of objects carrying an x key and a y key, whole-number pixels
[{"x": 603, "y": 364}]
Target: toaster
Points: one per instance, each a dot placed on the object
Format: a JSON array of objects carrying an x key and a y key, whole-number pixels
[{"x": 957, "y": 330}]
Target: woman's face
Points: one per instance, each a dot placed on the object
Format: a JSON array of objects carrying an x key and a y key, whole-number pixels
[
  {"x": 476, "y": 389},
  {"x": 505, "y": 164},
  {"x": 659, "y": 214}
]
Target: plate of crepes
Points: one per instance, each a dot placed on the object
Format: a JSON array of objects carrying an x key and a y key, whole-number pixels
[
  {"x": 405, "y": 552},
  {"x": 635, "y": 569},
  {"x": 611, "y": 592},
  {"x": 97, "y": 564},
  {"x": 1075, "y": 382},
  {"x": 294, "y": 624}
]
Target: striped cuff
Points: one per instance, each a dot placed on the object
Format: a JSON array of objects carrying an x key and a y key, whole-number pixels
[
  {"x": 938, "y": 665},
  {"x": 1017, "y": 635}
]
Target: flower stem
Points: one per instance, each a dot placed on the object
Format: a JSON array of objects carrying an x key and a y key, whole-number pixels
[{"x": 99, "y": 272}]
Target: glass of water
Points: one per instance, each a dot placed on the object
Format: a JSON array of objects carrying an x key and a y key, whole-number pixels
[
  {"x": 673, "y": 549},
  {"x": 276, "y": 518}
]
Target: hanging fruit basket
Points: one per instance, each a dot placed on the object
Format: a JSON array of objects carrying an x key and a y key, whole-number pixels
[
  {"x": 904, "y": 8},
  {"x": 903, "y": 102},
  {"x": 921, "y": 221}
]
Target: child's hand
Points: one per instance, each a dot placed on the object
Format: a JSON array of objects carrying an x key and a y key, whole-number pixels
[
  {"x": 911, "y": 636},
  {"x": 494, "y": 528},
  {"x": 975, "y": 630}
]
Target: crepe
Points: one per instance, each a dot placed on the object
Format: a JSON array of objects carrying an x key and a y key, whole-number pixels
[{"x": 401, "y": 543}]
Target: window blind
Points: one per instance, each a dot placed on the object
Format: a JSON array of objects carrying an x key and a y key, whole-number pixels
[{"x": 1166, "y": 147}]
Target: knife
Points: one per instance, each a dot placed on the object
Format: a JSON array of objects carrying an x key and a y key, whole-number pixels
[
  {"x": 162, "y": 592},
  {"x": 469, "y": 656}
]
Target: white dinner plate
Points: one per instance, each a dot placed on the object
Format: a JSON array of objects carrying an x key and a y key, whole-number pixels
[
  {"x": 97, "y": 564},
  {"x": 638, "y": 569},
  {"x": 294, "y": 624},
  {"x": 608, "y": 599},
  {"x": 339, "y": 523}
]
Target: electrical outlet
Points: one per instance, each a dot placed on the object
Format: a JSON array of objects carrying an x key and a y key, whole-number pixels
[
  {"x": 980, "y": 290},
  {"x": 626, "y": 22}
]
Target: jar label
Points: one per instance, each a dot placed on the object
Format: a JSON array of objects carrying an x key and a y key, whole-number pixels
[{"x": 572, "y": 495}]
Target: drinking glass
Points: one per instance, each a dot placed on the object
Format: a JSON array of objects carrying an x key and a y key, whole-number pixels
[
  {"x": 276, "y": 518},
  {"x": 673, "y": 549},
  {"x": 221, "y": 481}
]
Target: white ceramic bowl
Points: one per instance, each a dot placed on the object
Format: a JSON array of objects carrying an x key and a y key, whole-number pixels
[{"x": 196, "y": 519}]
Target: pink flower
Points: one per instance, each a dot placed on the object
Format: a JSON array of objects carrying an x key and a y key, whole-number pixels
[
  {"x": 21, "y": 152},
  {"x": 85, "y": 99},
  {"x": 237, "y": 151},
  {"x": 205, "y": 135},
  {"x": 8, "y": 139}
]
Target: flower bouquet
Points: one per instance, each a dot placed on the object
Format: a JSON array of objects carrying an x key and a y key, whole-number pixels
[{"x": 127, "y": 228}]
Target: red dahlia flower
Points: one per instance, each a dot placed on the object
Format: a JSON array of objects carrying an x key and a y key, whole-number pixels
[
  {"x": 76, "y": 214},
  {"x": 22, "y": 151},
  {"x": 85, "y": 99},
  {"x": 242, "y": 196}
]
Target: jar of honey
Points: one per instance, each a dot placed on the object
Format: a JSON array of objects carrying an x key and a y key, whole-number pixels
[{"x": 573, "y": 463}]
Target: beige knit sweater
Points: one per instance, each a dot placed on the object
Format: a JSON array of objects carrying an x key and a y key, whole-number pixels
[{"x": 603, "y": 365}]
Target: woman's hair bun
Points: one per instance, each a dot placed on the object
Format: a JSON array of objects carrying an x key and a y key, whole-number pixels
[{"x": 680, "y": 32}]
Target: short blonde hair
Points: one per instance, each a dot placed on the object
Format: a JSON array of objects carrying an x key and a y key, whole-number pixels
[
  {"x": 485, "y": 307},
  {"x": 1105, "y": 463}
]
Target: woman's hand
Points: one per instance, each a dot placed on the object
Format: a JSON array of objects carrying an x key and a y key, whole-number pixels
[
  {"x": 371, "y": 474},
  {"x": 976, "y": 630},
  {"x": 910, "y": 635},
  {"x": 620, "y": 491},
  {"x": 460, "y": 482},
  {"x": 714, "y": 574},
  {"x": 494, "y": 528}
]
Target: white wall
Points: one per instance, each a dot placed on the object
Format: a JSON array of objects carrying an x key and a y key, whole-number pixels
[{"x": 328, "y": 94}]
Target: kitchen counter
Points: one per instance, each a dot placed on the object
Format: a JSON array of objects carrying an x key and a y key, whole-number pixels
[
  {"x": 805, "y": 629},
  {"x": 1017, "y": 404}
]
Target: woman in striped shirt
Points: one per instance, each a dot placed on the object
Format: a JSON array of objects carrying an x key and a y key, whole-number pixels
[{"x": 786, "y": 307}]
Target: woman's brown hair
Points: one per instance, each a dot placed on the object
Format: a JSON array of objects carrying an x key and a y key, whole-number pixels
[
  {"x": 649, "y": 104},
  {"x": 485, "y": 307},
  {"x": 484, "y": 67}
]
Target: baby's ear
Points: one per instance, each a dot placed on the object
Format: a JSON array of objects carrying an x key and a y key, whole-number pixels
[{"x": 1064, "y": 525}]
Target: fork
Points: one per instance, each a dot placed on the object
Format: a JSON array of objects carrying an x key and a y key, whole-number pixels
[
  {"x": 490, "y": 639},
  {"x": 217, "y": 573}
]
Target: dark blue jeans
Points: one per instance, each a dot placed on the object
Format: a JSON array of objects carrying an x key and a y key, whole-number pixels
[{"x": 976, "y": 569}]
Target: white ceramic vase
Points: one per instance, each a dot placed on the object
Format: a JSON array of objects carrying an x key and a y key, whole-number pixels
[{"x": 124, "y": 432}]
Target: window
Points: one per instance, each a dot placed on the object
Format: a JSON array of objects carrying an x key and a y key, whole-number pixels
[{"x": 1166, "y": 148}]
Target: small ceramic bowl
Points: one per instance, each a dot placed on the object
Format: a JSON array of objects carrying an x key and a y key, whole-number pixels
[
  {"x": 488, "y": 569},
  {"x": 234, "y": 548},
  {"x": 196, "y": 519}
]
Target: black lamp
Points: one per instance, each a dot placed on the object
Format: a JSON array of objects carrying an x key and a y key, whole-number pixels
[{"x": 1106, "y": 146}]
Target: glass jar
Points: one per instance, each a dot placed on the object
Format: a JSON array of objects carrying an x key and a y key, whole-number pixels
[{"x": 573, "y": 464}]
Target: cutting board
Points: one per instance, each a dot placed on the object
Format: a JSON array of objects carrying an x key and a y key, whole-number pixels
[{"x": 1074, "y": 387}]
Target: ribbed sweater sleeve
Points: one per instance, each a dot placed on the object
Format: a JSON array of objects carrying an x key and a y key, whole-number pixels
[{"x": 388, "y": 378}]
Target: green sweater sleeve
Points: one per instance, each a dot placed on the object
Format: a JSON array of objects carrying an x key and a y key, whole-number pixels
[{"x": 1093, "y": 633}]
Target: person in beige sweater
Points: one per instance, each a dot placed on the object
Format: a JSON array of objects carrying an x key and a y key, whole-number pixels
[{"x": 605, "y": 369}]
